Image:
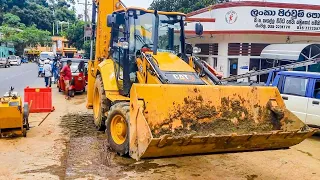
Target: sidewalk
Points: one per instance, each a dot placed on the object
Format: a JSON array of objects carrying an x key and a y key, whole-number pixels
[{"x": 41, "y": 154}]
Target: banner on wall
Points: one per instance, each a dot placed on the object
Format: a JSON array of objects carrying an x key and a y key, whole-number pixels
[{"x": 252, "y": 18}]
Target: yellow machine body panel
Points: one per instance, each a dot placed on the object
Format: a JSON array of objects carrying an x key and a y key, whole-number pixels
[
  {"x": 170, "y": 62},
  {"x": 189, "y": 119},
  {"x": 108, "y": 75},
  {"x": 11, "y": 116},
  {"x": 106, "y": 69}
]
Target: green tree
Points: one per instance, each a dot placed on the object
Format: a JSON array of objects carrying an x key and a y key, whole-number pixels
[
  {"x": 75, "y": 34},
  {"x": 12, "y": 20},
  {"x": 41, "y": 13},
  {"x": 27, "y": 37}
]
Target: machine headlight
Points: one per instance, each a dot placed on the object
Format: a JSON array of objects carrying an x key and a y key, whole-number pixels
[{"x": 80, "y": 78}]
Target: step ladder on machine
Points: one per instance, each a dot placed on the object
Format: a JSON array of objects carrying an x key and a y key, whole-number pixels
[{"x": 273, "y": 69}]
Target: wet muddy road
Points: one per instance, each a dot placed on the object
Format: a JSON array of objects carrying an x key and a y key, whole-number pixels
[{"x": 88, "y": 157}]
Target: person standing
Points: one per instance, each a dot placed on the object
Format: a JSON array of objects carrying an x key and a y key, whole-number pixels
[
  {"x": 55, "y": 70},
  {"x": 47, "y": 70},
  {"x": 67, "y": 76}
]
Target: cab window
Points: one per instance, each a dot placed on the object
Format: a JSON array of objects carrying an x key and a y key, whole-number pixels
[
  {"x": 118, "y": 35},
  {"x": 316, "y": 92},
  {"x": 295, "y": 86}
]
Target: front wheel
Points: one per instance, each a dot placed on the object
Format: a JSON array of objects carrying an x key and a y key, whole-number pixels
[
  {"x": 117, "y": 128},
  {"x": 24, "y": 132}
]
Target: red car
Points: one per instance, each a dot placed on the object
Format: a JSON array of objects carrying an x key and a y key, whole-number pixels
[{"x": 79, "y": 76}]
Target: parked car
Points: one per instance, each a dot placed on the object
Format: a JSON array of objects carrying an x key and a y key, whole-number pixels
[
  {"x": 4, "y": 62},
  {"x": 301, "y": 94},
  {"x": 14, "y": 60}
]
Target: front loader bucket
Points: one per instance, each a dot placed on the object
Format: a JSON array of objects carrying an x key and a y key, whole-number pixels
[{"x": 170, "y": 120}]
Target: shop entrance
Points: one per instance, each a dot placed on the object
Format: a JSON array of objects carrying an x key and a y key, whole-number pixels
[{"x": 233, "y": 66}]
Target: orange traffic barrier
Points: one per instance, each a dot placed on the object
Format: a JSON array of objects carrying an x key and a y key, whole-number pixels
[{"x": 41, "y": 99}]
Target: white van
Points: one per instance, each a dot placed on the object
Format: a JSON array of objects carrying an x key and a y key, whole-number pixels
[
  {"x": 46, "y": 55},
  {"x": 301, "y": 94}
]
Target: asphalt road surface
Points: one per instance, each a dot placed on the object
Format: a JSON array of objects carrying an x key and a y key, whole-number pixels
[{"x": 20, "y": 77}]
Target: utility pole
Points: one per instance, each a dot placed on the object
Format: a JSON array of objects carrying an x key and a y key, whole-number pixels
[
  {"x": 85, "y": 11},
  {"x": 86, "y": 16}
]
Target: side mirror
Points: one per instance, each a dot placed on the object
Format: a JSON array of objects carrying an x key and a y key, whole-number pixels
[
  {"x": 199, "y": 29},
  {"x": 189, "y": 49},
  {"x": 110, "y": 20}
]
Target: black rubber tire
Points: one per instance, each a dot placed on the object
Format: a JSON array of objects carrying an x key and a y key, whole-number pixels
[
  {"x": 24, "y": 132},
  {"x": 100, "y": 119},
  {"x": 26, "y": 116},
  {"x": 71, "y": 93},
  {"x": 26, "y": 123},
  {"x": 123, "y": 109}
]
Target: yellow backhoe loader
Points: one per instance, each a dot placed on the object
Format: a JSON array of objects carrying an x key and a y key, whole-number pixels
[{"x": 153, "y": 100}]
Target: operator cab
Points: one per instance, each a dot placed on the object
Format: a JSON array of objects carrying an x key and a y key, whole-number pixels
[{"x": 159, "y": 37}]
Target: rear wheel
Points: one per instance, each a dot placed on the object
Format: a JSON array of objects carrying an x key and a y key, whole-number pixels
[
  {"x": 24, "y": 132},
  {"x": 71, "y": 93},
  {"x": 101, "y": 104},
  {"x": 117, "y": 128},
  {"x": 26, "y": 116}
]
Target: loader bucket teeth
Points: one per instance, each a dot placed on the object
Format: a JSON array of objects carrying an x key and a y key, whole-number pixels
[{"x": 169, "y": 120}]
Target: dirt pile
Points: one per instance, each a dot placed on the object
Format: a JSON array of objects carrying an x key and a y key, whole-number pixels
[
  {"x": 195, "y": 116},
  {"x": 79, "y": 125}
]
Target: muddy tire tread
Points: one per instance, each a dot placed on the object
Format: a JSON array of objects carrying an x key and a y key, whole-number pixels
[
  {"x": 104, "y": 104},
  {"x": 124, "y": 109}
]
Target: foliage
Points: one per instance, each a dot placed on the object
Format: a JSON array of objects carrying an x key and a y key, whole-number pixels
[
  {"x": 29, "y": 36},
  {"x": 28, "y": 22},
  {"x": 75, "y": 35},
  {"x": 185, "y": 6},
  {"x": 41, "y": 13},
  {"x": 87, "y": 48},
  {"x": 12, "y": 20}
]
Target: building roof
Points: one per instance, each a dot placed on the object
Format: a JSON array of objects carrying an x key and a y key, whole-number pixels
[{"x": 291, "y": 51}]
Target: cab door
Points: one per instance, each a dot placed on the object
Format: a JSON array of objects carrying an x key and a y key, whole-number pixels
[
  {"x": 118, "y": 35},
  {"x": 294, "y": 93},
  {"x": 313, "y": 111}
]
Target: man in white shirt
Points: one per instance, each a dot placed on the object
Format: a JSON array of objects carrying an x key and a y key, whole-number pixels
[{"x": 47, "y": 70}]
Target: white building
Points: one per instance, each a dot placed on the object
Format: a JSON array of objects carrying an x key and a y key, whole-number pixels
[{"x": 233, "y": 42}]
